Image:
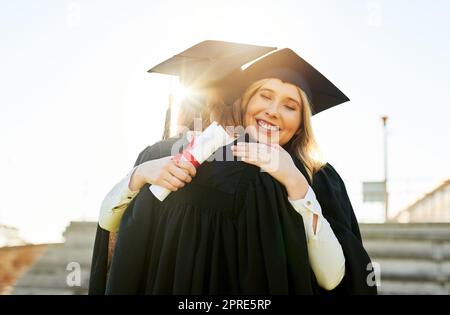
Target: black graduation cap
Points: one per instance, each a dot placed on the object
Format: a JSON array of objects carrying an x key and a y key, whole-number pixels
[
  {"x": 212, "y": 63},
  {"x": 287, "y": 66}
]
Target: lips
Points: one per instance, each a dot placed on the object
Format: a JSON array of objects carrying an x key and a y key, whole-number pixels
[{"x": 267, "y": 125}]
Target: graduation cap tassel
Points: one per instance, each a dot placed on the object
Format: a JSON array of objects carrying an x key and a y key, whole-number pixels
[{"x": 166, "y": 133}]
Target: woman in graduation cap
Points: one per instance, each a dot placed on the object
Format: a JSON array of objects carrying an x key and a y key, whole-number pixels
[
  {"x": 278, "y": 109},
  {"x": 255, "y": 242}
]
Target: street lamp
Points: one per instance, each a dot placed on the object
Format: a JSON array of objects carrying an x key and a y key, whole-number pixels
[{"x": 384, "y": 119}]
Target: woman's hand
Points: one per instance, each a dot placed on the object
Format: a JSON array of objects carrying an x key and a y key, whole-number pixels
[
  {"x": 165, "y": 172},
  {"x": 277, "y": 162}
]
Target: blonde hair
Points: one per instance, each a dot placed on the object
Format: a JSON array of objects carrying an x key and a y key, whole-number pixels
[{"x": 303, "y": 145}]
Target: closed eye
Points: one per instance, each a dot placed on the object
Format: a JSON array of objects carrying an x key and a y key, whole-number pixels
[
  {"x": 290, "y": 107},
  {"x": 266, "y": 97}
]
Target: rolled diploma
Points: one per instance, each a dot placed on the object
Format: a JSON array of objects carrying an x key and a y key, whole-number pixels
[{"x": 211, "y": 139}]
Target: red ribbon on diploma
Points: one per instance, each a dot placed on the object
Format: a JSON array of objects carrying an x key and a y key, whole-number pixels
[{"x": 187, "y": 154}]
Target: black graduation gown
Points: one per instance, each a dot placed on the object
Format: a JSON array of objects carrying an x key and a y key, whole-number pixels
[
  {"x": 337, "y": 209},
  {"x": 230, "y": 231},
  {"x": 99, "y": 264}
]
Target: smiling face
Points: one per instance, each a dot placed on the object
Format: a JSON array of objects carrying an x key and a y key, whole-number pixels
[{"x": 274, "y": 112}]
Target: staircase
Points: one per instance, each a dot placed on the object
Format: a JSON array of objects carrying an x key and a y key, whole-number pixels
[
  {"x": 49, "y": 274},
  {"x": 414, "y": 258}
]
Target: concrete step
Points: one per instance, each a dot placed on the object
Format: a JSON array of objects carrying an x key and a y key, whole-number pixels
[
  {"x": 389, "y": 287},
  {"x": 49, "y": 274},
  {"x": 64, "y": 256},
  {"x": 417, "y": 269},
  {"x": 80, "y": 234},
  {"x": 80, "y": 241},
  {"x": 398, "y": 231},
  {"x": 48, "y": 291},
  {"x": 55, "y": 268},
  {"x": 56, "y": 280},
  {"x": 82, "y": 225},
  {"x": 81, "y": 228},
  {"x": 60, "y": 254},
  {"x": 408, "y": 249}
]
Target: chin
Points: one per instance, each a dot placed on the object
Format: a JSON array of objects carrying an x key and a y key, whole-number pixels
[{"x": 264, "y": 138}]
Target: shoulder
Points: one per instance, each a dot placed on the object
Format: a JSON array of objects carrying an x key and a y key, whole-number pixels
[
  {"x": 224, "y": 172},
  {"x": 328, "y": 183},
  {"x": 332, "y": 194},
  {"x": 329, "y": 173},
  {"x": 160, "y": 149}
]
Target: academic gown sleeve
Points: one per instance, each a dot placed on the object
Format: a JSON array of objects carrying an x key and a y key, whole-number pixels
[{"x": 337, "y": 209}]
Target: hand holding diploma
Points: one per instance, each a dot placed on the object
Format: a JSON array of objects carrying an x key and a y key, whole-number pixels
[{"x": 198, "y": 151}]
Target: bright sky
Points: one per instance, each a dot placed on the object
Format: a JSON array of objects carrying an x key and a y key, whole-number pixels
[{"x": 77, "y": 106}]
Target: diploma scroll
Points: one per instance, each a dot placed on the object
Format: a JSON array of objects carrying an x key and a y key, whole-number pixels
[{"x": 198, "y": 151}]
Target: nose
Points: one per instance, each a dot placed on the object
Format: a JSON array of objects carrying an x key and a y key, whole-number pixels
[{"x": 272, "y": 110}]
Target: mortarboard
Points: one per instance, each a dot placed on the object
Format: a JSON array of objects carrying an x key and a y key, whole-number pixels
[
  {"x": 212, "y": 64},
  {"x": 287, "y": 66}
]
